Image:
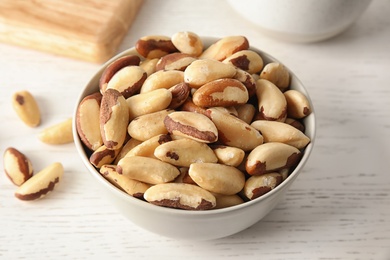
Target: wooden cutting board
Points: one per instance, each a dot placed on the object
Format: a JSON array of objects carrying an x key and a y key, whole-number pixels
[{"x": 90, "y": 30}]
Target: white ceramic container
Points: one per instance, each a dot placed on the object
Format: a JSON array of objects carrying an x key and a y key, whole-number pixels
[
  {"x": 301, "y": 20},
  {"x": 193, "y": 225}
]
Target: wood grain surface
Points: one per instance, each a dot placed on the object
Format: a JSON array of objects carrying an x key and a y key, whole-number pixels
[
  {"x": 89, "y": 30},
  {"x": 338, "y": 208}
]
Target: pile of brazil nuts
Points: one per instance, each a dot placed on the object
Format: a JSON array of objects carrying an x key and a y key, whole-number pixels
[
  {"x": 183, "y": 126},
  {"x": 18, "y": 167}
]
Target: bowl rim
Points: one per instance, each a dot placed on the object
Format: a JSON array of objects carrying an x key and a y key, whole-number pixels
[{"x": 310, "y": 121}]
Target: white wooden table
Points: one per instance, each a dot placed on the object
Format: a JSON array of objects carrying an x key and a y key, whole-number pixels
[{"x": 339, "y": 207}]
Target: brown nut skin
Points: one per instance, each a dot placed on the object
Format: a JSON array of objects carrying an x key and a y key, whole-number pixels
[
  {"x": 180, "y": 93},
  {"x": 184, "y": 152},
  {"x": 154, "y": 46},
  {"x": 88, "y": 121},
  {"x": 26, "y": 107},
  {"x": 191, "y": 125},
  {"x": 188, "y": 43},
  {"x": 17, "y": 166},
  {"x": 131, "y": 187},
  {"x": 41, "y": 183},
  {"x": 180, "y": 196},
  {"x": 102, "y": 156},
  {"x": 225, "y": 47},
  {"x": 277, "y": 74},
  {"x": 257, "y": 186},
  {"x": 298, "y": 105},
  {"x": 114, "y": 67},
  {"x": 273, "y": 156},
  {"x": 221, "y": 93},
  {"x": 218, "y": 178},
  {"x": 114, "y": 119},
  {"x": 271, "y": 102},
  {"x": 247, "y": 60}
]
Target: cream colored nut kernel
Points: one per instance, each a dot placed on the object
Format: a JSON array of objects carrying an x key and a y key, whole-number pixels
[
  {"x": 88, "y": 121},
  {"x": 180, "y": 196},
  {"x": 26, "y": 108},
  {"x": 162, "y": 79},
  {"x": 175, "y": 61},
  {"x": 247, "y": 60},
  {"x": 218, "y": 178},
  {"x": 131, "y": 187},
  {"x": 257, "y": 186},
  {"x": 146, "y": 126},
  {"x": 225, "y": 47},
  {"x": 147, "y": 170},
  {"x": 128, "y": 80},
  {"x": 114, "y": 67},
  {"x": 188, "y": 43},
  {"x": 228, "y": 110},
  {"x": 201, "y": 72},
  {"x": 271, "y": 101},
  {"x": 149, "y": 102},
  {"x": 273, "y": 131},
  {"x": 225, "y": 201},
  {"x": 147, "y": 147},
  {"x": 191, "y": 125},
  {"x": 129, "y": 145},
  {"x": 270, "y": 157},
  {"x": 277, "y": 74},
  {"x": 229, "y": 155},
  {"x": 149, "y": 65},
  {"x": 41, "y": 183},
  {"x": 298, "y": 105},
  {"x": 102, "y": 156},
  {"x": 180, "y": 93},
  {"x": 284, "y": 173},
  {"x": 60, "y": 133},
  {"x": 184, "y": 152},
  {"x": 221, "y": 92},
  {"x": 248, "y": 80},
  {"x": 246, "y": 112},
  {"x": 17, "y": 166},
  {"x": 114, "y": 119},
  {"x": 154, "y": 46},
  {"x": 232, "y": 131}
]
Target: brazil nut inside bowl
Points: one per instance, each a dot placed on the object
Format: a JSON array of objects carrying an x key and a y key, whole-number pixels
[{"x": 194, "y": 138}]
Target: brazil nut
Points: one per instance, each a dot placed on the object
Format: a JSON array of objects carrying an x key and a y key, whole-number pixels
[
  {"x": 17, "y": 166},
  {"x": 218, "y": 178},
  {"x": 180, "y": 196},
  {"x": 114, "y": 118},
  {"x": 270, "y": 157},
  {"x": 191, "y": 125},
  {"x": 221, "y": 92}
]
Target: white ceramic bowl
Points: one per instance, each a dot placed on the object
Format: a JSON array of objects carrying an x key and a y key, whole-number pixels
[
  {"x": 193, "y": 225},
  {"x": 301, "y": 20}
]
